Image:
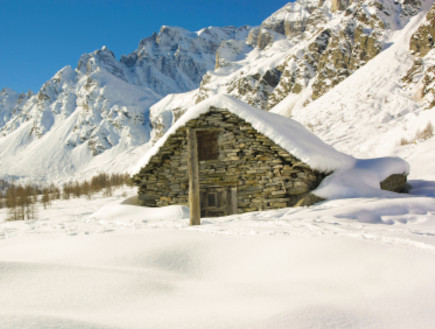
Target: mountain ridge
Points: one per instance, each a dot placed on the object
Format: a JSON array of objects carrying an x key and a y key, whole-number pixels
[{"x": 107, "y": 108}]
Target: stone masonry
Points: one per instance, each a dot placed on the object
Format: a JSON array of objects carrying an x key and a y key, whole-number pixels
[{"x": 264, "y": 174}]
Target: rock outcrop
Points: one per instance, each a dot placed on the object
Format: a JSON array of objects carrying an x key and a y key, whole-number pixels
[{"x": 421, "y": 76}]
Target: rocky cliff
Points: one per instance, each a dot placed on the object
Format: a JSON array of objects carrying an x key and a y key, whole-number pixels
[
  {"x": 421, "y": 76},
  {"x": 304, "y": 50}
]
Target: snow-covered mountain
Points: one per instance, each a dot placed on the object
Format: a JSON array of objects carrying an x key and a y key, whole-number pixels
[
  {"x": 372, "y": 48},
  {"x": 102, "y": 105},
  {"x": 306, "y": 48},
  {"x": 352, "y": 71}
]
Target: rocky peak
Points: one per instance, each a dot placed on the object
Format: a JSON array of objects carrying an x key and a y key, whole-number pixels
[
  {"x": 174, "y": 60},
  {"x": 11, "y": 105},
  {"x": 10, "y": 98},
  {"x": 176, "y": 41},
  {"x": 62, "y": 79},
  {"x": 290, "y": 21},
  {"x": 291, "y": 18},
  {"x": 171, "y": 39},
  {"x": 101, "y": 59},
  {"x": 7, "y": 92}
]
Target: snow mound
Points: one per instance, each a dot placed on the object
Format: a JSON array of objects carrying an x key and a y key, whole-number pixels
[{"x": 362, "y": 179}]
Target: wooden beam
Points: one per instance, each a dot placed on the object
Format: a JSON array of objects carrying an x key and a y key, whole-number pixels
[
  {"x": 194, "y": 200},
  {"x": 234, "y": 200}
]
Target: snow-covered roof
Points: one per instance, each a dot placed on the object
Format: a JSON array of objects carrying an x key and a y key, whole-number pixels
[
  {"x": 351, "y": 178},
  {"x": 287, "y": 133}
]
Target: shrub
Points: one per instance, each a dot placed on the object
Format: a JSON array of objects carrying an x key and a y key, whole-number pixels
[
  {"x": 46, "y": 199},
  {"x": 426, "y": 133},
  {"x": 404, "y": 141},
  {"x": 21, "y": 199},
  {"x": 66, "y": 191}
]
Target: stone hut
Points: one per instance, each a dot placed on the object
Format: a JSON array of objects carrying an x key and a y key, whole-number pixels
[
  {"x": 243, "y": 159},
  {"x": 225, "y": 157}
]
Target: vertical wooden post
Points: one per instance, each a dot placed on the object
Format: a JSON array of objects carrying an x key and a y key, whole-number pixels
[
  {"x": 194, "y": 201},
  {"x": 234, "y": 200}
]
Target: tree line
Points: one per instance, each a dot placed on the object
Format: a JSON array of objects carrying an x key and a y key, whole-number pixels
[{"x": 21, "y": 199}]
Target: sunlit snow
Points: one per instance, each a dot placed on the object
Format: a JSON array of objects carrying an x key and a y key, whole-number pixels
[{"x": 362, "y": 259}]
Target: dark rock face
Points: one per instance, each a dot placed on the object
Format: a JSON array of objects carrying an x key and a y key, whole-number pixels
[
  {"x": 252, "y": 89},
  {"x": 423, "y": 71},
  {"x": 333, "y": 54},
  {"x": 410, "y": 7},
  {"x": 264, "y": 175},
  {"x": 422, "y": 41},
  {"x": 331, "y": 57},
  {"x": 339, "y": 5}
]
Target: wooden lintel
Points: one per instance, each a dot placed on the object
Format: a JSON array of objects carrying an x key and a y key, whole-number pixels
[{"x": 210, "y": 129}]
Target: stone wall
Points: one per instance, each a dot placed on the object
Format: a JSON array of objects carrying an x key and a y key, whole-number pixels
[{"x": 265, "y": 175}]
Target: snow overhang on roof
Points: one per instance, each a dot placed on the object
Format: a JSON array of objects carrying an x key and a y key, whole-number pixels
[{"x": 287, "y": 133}]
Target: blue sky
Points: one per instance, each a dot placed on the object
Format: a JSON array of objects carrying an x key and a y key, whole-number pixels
[{"x": 40, "y": 37}]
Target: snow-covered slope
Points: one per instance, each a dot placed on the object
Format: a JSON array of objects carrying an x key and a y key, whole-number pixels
[
  {"x": 378, "y": 106},
  {"x": 73, "y": 118}
]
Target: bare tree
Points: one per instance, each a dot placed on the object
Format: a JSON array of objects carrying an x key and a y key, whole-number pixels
[
  {"x": 66, "y": 191},
  {"x": 54, "y": 192},
  {"x": 45, "y": 199},
  {"x": 86, "y": 189}
]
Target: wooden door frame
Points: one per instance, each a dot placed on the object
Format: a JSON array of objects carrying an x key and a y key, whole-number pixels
[{"x": 230, "y": 203}]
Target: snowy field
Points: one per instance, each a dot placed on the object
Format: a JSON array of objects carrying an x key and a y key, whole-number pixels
[{"x": 344, "y": 263}]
